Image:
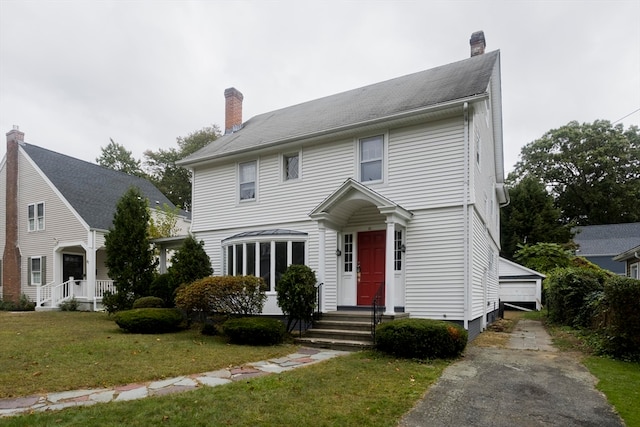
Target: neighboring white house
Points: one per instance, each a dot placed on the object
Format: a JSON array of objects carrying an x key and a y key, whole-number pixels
[
  {"x": 392, "y": 188},
  {"x": 520, "y": 285},
  {"x": 631, "y": 261},
  {"x": 56, "y": 213}
]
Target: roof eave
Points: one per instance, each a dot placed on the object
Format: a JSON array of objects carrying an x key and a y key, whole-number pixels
[{"x": 396, "y": 119}]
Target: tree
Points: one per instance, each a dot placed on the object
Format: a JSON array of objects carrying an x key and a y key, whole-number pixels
[
  {"x": 130, "y": 257},
  {"x": 592, "y": 170},
  {"x": 530, "y": 218},
  {"x": 117, "y": 157},
  {"x": 175, "y": 181},
  {"x": 297, "y": 294},
  {"x": 190, "y": 262},
  {"x": 164, "y": 223}
]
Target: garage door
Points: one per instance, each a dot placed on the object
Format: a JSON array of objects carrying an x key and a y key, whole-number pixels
[{"x": 518, "y": 291}]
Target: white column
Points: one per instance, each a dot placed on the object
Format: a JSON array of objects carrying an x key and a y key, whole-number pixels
[
  {"x": 322, "y": 250},
  {"x": 389, "y": 279},
  {"x": 91, "y": 264}
]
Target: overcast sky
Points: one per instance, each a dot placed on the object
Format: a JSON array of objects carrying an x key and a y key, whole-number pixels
[{"x": 75, "y": 73}]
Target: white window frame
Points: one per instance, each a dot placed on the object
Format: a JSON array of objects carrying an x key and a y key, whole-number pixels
[
  {"x": 271, "y": 240},
  {"x": 37, "y": 222},
  {"x": 383, "y": 158},
  {"x": 634, "y": 270},
  {"x": 285, "y": 169},
  {"x": 33, "y": 271},
  {"x": 240, "y": 182}
]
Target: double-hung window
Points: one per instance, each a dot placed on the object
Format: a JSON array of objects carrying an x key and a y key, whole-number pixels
[
  {"x": 371, "y": 158},
  {"x": 291, "y": 166},
  {"x": 247, "y": 173},
  {"x": 36, "y": 216},
  {"x": 36, "y": 267}
]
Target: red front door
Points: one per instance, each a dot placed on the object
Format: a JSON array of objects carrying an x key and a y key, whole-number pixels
[{"x": 371, "y": 249}]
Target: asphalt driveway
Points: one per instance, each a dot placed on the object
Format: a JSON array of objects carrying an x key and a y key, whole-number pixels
[{"x": 528, "y": 383}]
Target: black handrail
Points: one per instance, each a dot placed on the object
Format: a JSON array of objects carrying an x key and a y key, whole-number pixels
[
  {"x": 377, "y": 310},
  {"x": 318, "y": 313}
]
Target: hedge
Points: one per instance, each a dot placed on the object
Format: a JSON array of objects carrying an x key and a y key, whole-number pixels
[
  {"x": 421, "y": 338},
  {"x": 148, "y": 302},
  {"x": 620, "y": 307},
  {"x": 242, "y": 295},
  {"x": 254, "y": 330},
  {"x": 150, "y": 320}
]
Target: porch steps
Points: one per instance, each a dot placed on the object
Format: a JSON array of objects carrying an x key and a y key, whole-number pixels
[{"x": 342, "y": 330}]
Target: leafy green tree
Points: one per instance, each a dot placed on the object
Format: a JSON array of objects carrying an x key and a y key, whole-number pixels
[
  {"x": 530, "y": 218},
  {"x": 175, "y": 181},
  {"x": 117, "y": 157},
  {"x": 130, "y": 257},
  {"x": 190, "y": 262},
  {"x": 164, "y": 222},
  {"x": 591, "y": 169},
  {"x": 297, "y": 294}
]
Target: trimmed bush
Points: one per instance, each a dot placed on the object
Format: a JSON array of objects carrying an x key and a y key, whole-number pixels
[
  {"x": 223, "y": 294},
  {"x": 254, "y": 331},
  {"x": 622, "y": 317},
  {"x": 164, "y": 286},
  {"x": 421, "y": 338},
  {"x": 297, "y": 294},
  {"x": 148, "y": 302},
  {"x": 149, "y": 320},
  {"x": 569, "y": 290}
]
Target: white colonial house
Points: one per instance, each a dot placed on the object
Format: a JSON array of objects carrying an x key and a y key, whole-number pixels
[
  {"x": 56, "y": 211},
  {"x": 391, "y": 189}
]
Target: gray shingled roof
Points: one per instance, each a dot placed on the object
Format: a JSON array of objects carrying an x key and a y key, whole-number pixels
[
  {"x": 92, "y": 190},
  {"x": 456, "y": 81},
  {"x": 607, "y": 239}
]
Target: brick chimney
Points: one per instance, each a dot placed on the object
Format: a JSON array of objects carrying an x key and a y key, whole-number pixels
[
  {"x": 233, "y": 110},
  {"x": 477, "y": 43},
  {"x": 11, "y": 255}
]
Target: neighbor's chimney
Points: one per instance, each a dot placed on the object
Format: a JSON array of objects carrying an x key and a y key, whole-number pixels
[
  {"x": 11, "y": 255},
  {"x": 477, "y": 43},
  {"x": 233, "y": 110}
]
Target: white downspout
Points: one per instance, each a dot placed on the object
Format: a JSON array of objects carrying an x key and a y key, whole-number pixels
[{"x": 465, "y": 215}]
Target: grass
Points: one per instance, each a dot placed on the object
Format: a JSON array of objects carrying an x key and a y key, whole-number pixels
[
  {"x": 361, "y": 389},
  {"x": 56, "y": 351}
]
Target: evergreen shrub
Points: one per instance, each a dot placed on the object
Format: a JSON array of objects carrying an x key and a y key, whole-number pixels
[
  {"x": 622, "y": 317},
  {"x": 254, "y": 330},
  {"x": 569, "y": 290},
  {"x": 148, "y": 302},
  {"x": 150, "y": 320},
  {"x": 297, "y": 294},
  {"x": 421, "y": 338}
]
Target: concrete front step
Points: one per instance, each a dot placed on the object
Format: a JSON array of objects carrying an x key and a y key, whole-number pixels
[
  {"x": 343, "y": 325},
  {"x": 342, "y": 334},
  {"x": 335, "y": 344}
]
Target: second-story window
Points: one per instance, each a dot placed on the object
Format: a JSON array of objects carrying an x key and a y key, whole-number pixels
[
  {"x": 291, "y": 166},
  {"x": 247, "y": 180},
  {"x": 371, "y": 158},
  {"x": 36, "y": 216}
]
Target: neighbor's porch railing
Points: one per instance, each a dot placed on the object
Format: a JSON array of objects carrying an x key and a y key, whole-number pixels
[{"x": 52, "y": 294}]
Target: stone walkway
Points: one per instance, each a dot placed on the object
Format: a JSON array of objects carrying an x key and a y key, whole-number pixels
[{"x": 66, "y": 399}]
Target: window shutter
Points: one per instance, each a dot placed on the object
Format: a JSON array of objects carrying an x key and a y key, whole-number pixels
[
  {"x": 29, "y": 271},
  {"x": 43, "y": 270}
]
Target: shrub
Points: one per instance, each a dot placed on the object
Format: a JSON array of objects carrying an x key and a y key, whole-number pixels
[
  {"x": 69, "y": 305},
  {"x": 209, "y": 328},
  {"x": 23, "y": 304},
  {"x": 254, "y": 330},
  {"x": 621, "y": 317},
  {"x": 297, "y": 294},
  {"x": 223, "y": 294},
  {"x": 149, "y": 320},
  {"x": 148, "y": 302},
  {"x": 421, "y": 338},
  {"x": 118, "y": 301},
  {"x": 568, "y": 290},
  {"x": 164, "y": 286},
  {"x": 190, "y": 262}
]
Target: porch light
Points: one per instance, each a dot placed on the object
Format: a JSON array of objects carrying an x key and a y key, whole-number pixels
[
  {"x": 403, "y": 248},
  {"x": 338, "y": 252}
]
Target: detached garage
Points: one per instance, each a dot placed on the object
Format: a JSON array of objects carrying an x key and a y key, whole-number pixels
[{"x": 520, "y": 285}]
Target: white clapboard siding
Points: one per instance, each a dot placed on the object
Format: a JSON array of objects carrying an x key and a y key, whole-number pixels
[
  {"x": 425, "y": 165},
  {"x": 480, "y": 264},
  {"x": 434, "y": 264}
]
